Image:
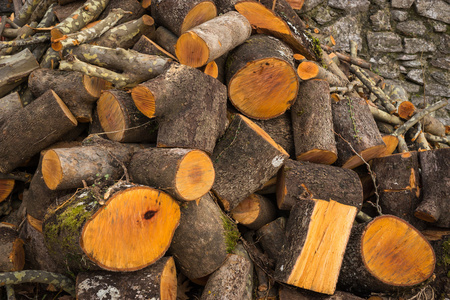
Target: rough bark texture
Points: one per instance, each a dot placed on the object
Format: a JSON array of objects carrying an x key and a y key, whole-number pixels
[
  {"x": 272, "y": 237},
  {"x": 12, "y": 254},
  {"x": 166, "y": 39},
  {"x": 244, "y": 159},
  {"x": 133, "y": 6},
  {"x": 147, "y": 46},
  {"x": 312, "y": 123},
  {"x": 25, "y": 12},
  {"x": 9, "y": 105},
  {"x": 38, "y": 125}
]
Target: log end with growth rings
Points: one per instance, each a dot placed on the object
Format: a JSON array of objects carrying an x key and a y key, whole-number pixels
[
  {"x": 144, "y": 100},
  {"x": 318, "y": 156},
  {"x": 192, "y": 50},
  {"x": 6, "y": 187},
  {"x": 51, "y": 169},
  {"x": 95, "y": 85},
  {"x": 202, "y": 12},
  {"x": 111, "y": 116},
  {"x": 307, "y": 70}
]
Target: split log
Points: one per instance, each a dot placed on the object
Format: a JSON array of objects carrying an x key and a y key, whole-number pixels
[
  {"x": 435, "y": 207},
  {"x": 311, "y": 70},
  {"x": 387, "y": 254},
  {"x": 64, "y": 84},
  {"x": 180, "y": 16},
  {"x": 81, "y": 234},
  {"x": 190, "y": 107},
  {"x": 298, "y": 181},
  {"x": 205, "y": 42},
  {"x": 15, "y": 69},
  {"x": 312, "y": 123},
  {"x": 158, "y": 281},
  {"x": 12, "y": 254},
  {"x": 185, "y": 174},
  {"x": 358, "y": 134},
  {"x": 391, "y": 143},
  {"x": 272, "y": 237},
  {"x": 211, "y": 69},
  {"x": 166, "y": 39},
  {"x": 254, "y": 211},
  {"x": 122, "y": 121},
  {"x": 6, "y": 187},
  {"x": 397, "y": 178},
  {"x": 268, "y": 22},
  {"x": 262, "y": 83},
  {"x": 9, "y": 104},
  {"x": 36, "y": 126},
  {"x": 233, "y": 156},
  {"x": 313, "y": 229},
  {"x": 147, "y": 46},
  {"x": 289, "y": 293},
  {"x": 204, "y": 238}
]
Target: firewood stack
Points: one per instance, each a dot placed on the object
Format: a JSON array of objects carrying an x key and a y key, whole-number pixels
[{"x": 128, "y": 174}]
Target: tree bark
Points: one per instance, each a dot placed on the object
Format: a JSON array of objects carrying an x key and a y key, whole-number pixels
[
  {"x": 166, "y": 39},
  {"x": 25, "y": 12},
  {"x": 9, "y": 104},
  {"x": 12, "y": 254},
  {"x": 272, "y": 237},
  {"x": 254, "y": 211},
  {"x": 133, "y": 6},
  {"x": 147, "y": 46}
]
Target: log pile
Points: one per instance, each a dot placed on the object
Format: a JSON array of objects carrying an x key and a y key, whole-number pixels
[{"x": 126, "y": 173}]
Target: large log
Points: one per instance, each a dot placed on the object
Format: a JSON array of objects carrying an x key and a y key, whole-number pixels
[
  {"x": 261, "y": 78},
  {"x": 386, "y": 254},
  {"x": 190, "y": 107},
  {"x": 33, "y": 128},
  {"x": 12, "y": 254},
  {"x": 244, "y": 159},
  {"x": 317, "y": 234},
  {"x": 81, "y": 234}
]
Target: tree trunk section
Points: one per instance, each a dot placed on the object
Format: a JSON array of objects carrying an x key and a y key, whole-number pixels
[
  {"x": 261, "y": 78},
  {"x": 317, "y": 232},
  {"x": 312, "y": 123},
  {"x": 386, "y": 254},
  {"x": 12, "y": 254},
  {"x": 254, "y": 211},
  {"x": 244, "y": 159}
]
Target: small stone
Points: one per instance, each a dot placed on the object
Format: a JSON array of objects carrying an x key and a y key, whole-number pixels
[
  {"x": 406, "y": 57},
  {"x": 343, "y": 30},
  {"x": 402, "y": 3},
  {"x": 412, "y": 63},
  {"x": 434, "y": 9},
  {"x": 310, "y": 4},
  {"x": 435, "y": 89},
  {"x": 414, "y": 45},
  {"x": 415, "y": 76},
  {"x": 441, "y": 77},
  {"x": 323, "y": 16},
  {"x": 386, "y": 67},
  {"x": 444, "y": 45},
  {"x": 402, "y": 70},
  {"x": 412, "y": 28},
  {"x": 399, "y": 15},
  {"x": 408, "y": 86},
  {"x": 380, "y": 3},
  {"x": 384, "y": 42},
  {"x": 438, "y": 26},
  {"x": 381, "y": 20},
  {"x": 441, "y": 62},
  {"x": 350, "y": 5}
]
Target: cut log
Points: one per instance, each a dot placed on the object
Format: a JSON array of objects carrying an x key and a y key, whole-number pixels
[
  {"x": 262, "y": 83},
  {"x": 190, "y": 107},
  {"x": 383, "y": 116},
  {"x": 435, "y": 207},
  {"x": 133, "y": 6},
  {"x": 12, "y": 254},
  {"x": 147, "y": 46},
  {"x": 15, "y": 69},
  {"x": 185, "y": 174},
  {"x": 166, "y": 39},
  {"x": 298, "y": 181},
  {"x": 398, "y": 180},
  {"x": 9, "y": 105},
  {"x": 254, "y": 211},
  {"x": 233, "y": 156},
  {"x": 405, "y": 110},
  {"x": 312, "y": 123},
  {"x": 287, "y": 13},
  {"x": 122, "y": 121},
  {"x": 210, "y": 40},
  {"x": 81, "y": 234},
  {"x": 311, "y": 70},
  {"x": 387, "y": 254},
  {"x": 36, "y": 126},
  {"x": 272, "y": 237},
  {"x": 64, "y": 84},
  {"x": 158, "y": 281},
  {"x": 357, "y": 132},
  {"x": 6, "y": 187},
  {"x": 204, "y": 238},
  {"x": 266, "y": 21},
  {"x": 317, "y": 234}
]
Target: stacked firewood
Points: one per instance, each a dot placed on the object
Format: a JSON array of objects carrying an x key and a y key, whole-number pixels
[{"x": 315, "y": 179}]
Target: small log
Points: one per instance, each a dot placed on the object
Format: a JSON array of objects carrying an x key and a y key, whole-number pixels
[
  {"x": 383, "y": 116},
  {"x": 262, "y": 83},
  {"x": 333, "y": 67},
  {"x": 405, "y": 110},
  {"x": 421, "y": 142},
  {"x": 40, "y": 11},
  {"x": 313, "y": 229},
  {"x": 6, "y": 187},
  {"x": 387, "y": 254},
  {"x": 437, "y": 139},
  {"x": 122, "y": 121},
  {"x": 204, "y": 238},
  {"x": 64, "y": 84},
  {"x": 190, "y": 180},
  {"x": 166, "y": 39},
  {"x": 272, "y": 237},
  {"x": 358, "y": 134},
  {"x": 25, "y": 12},
  {"x": 435, "y": 207},
  {"x": 233, "y": 156},
  {"x": 433, "y": 126},
  {"x": 190, "y": 107},
  {"x": 158, "y": 281},
  {"x": 15, "y": 69},
  {"x": 353, "y": 60},
  {"x": 82, "y": 234},
  {"x": 12, "y": 254},
  {"x": 311, "y": 70},
  {"x": 312, "y": 123},
  {"x": 36, "y": 126},
  {"x": 298, "y": 181},
  {"x": 205, "y": 42},
  {"x": 254, "y": 211},
  {"x": 147, "y": 46},
  {"x": 9, "y": 105}
]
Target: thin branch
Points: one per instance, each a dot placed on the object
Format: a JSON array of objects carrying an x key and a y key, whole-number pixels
[{"x": 25, "y": 42}]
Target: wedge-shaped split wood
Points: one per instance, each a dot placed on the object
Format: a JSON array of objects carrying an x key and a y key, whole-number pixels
[
  {"x": 204, "y": 238},
  {"x": 158, "y": 281},
  {"x": 387, "y": 254},
  {"x": 244, "y": 159},
  {"x": 254, "y": 211},
  {"x": 210, "y": 40},
  {"x": 12, "y": 254},
  {"x": 317, "y": 234},
  {"x": 84, "y": 235},
  {"x": 261, "y": 78},
  {"x": 435, "y": 206},
  {"x": 312, "y": 123},
  {"x": 190, "y": 107},
  {"x": 299, "y": 180},
  {"x": 185, "y": 174}
]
